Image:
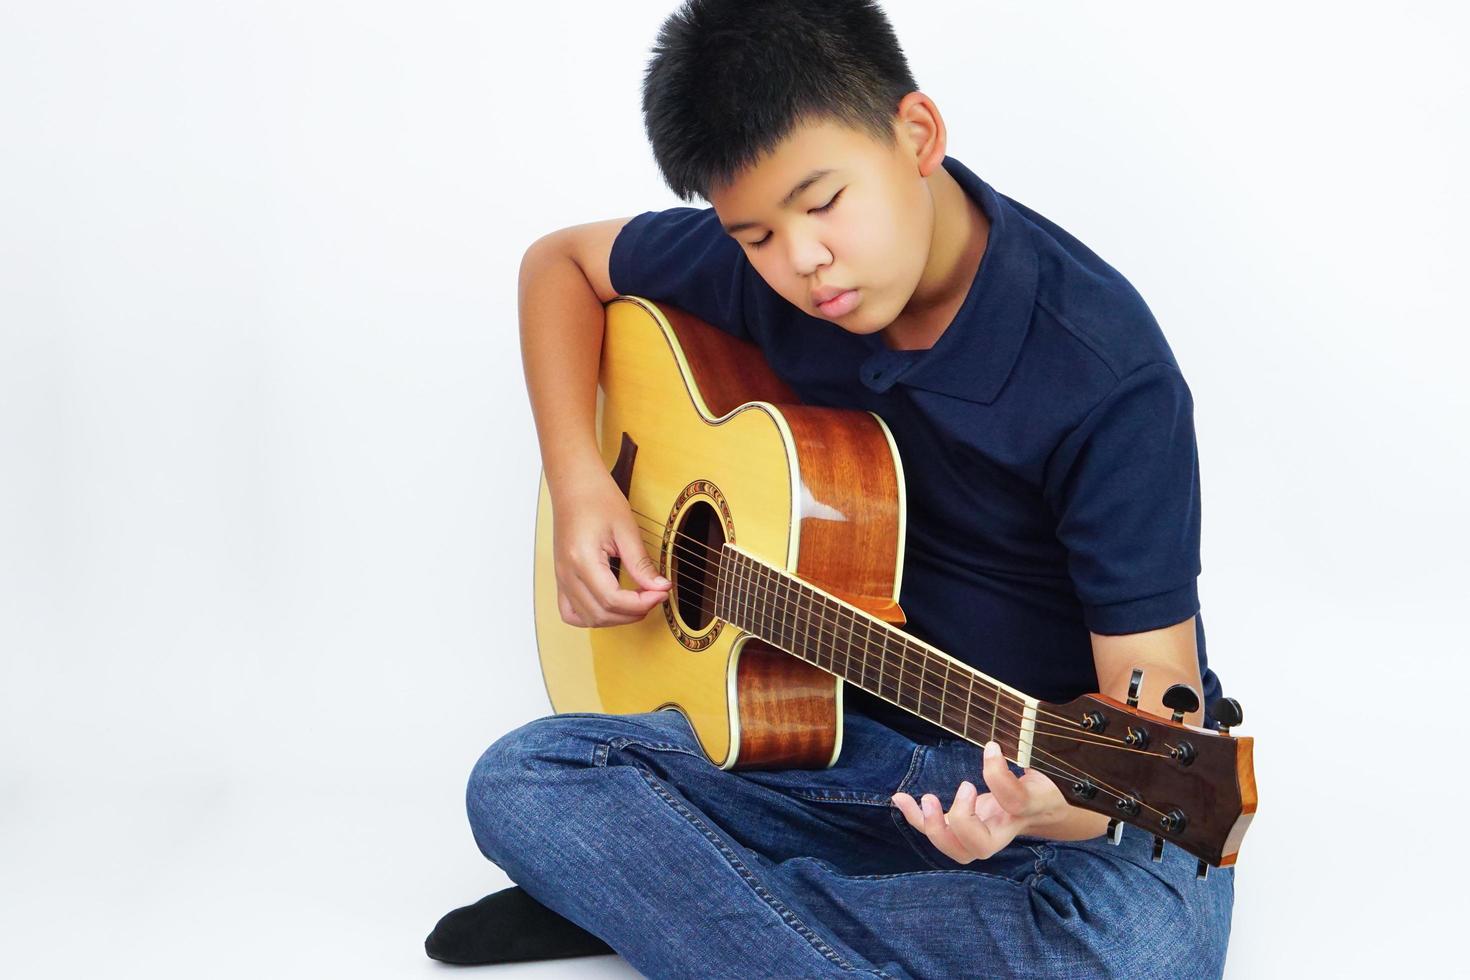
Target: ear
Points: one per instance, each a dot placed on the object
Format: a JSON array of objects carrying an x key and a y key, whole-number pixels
[{"x": 921, "y": 132}]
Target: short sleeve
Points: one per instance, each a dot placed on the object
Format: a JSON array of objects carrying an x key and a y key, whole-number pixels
[
  {"x": 683, "y": 257},
  {"x": 1124, "y": 485}
]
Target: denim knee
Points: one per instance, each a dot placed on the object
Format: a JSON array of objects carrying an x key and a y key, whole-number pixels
[{"x": 511, "y": 768}]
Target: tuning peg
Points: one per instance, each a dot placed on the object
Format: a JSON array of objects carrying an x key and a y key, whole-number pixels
[
  {"x": 1115, "y": 831},
  {"x": 1202, "y": 870},
  {"x": 1134, "y": 683},
  {"x": 1227, "y": 714},
  {"x": 1182, "y": 700},
  {"x": 1158, "y": 848}
]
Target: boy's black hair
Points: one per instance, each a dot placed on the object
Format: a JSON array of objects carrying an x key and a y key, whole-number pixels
[{"x": 730, "y": 79}]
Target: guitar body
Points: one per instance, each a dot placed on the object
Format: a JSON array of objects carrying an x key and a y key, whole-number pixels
[{"x": 710, "y": 446}]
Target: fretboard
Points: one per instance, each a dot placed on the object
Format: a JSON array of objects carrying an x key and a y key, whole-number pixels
[{"x": 841, "y": 639}]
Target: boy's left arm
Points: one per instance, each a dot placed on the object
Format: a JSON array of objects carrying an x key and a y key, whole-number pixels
[{"x": 978, "y": 826}]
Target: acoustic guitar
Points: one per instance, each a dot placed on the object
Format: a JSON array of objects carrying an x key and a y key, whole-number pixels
[{"x": 781, "y": 527}]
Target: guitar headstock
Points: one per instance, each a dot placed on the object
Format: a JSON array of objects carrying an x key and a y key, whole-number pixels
[{"x": 1190, "y": 786}]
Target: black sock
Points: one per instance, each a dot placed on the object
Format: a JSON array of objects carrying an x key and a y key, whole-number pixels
[{"x": 508, "y": 926}]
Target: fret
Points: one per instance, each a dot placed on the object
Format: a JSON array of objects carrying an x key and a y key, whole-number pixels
[
  {"x": 834, "y": 641},
  {"x": 881, "y": 644},
  {"x": 916, "y": 690},
  {"x": 867, "y": 649},
  {"x": 883, "y": 679},
  {"x": 944, "y": 693},
  {"x": 752, "y": 599},
  {"x": 732, "y": 602},
  {"x": 778, "y": 609},
  {"x": 928, "y": 686},
  {"x": 882, "y": 652},
  {"x": 737, "y": 615},
  {"x": 819, "y": 607},
  {"x": 744, "y": 578},
  {"x": 773, "y": 597},
  {"x": 792, "y": 603},
  {"x": 765, "y": 610},
  {"x": 969, "y": 693},
  {"x": 995, "y": 710},
  {"x": 803, "y": 623},
  {"x": 902, "y": 662},
  {"x": 722, "y": 582},
  {"x": 798, "y": 646},
  {"x": 923, "y": 686},
  {"x": 821, "y": 629}
]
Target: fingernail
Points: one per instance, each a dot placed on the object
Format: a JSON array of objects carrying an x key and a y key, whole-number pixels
[
  {"x": 992, "y": 749},
  {"x": 967, "y": 785},
  {"x": 660, "y": 581}
]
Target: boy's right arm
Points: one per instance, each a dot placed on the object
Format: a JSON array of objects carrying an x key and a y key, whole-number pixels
[{"x": 564, "y": 282}]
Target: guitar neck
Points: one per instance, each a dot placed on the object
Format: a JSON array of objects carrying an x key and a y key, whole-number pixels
[{"x": 801, "y": 619}]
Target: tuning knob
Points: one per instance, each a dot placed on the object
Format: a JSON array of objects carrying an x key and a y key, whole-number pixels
[
  {"x": 1158, "y": 848},
  {"x": 1115, "y": 831},
  {"x": 1182, "y": 700},
  {"x": 1227, "y": 714},
  {"x": 1134, "y": 683}
]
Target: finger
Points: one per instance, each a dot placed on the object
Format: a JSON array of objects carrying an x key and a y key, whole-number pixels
[
  {"x": 624, "y": 605},
  {"x": 936, "y": 828},
  {"x": 577, "y": 596},
  {"x": 1002, "y": 783},
  {"x": 915, "y": 815},
  {"x": 641, "y": 568},
  {"x": 590, "y": 576},
  {"x": 987, "y": 809},
  {"x": 971, "y": 831},
  {"x": 612, "y": 605},
  {"x": 568, "y": 614}
]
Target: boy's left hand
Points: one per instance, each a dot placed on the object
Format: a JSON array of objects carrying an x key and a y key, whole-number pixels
[{"x": 979, "y": 826}]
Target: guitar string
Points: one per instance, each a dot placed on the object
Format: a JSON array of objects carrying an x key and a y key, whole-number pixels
[
  {"x": 1066, "y": 724},
  {"x": 929, "y": 686},
  {"x": 1087, "y": 777},
  {"x": 1054, "y": 766},
  {"x": 1077, "y": 776}
]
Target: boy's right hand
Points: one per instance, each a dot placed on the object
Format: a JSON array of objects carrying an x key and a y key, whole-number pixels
[{"x": 591, "y": 522}]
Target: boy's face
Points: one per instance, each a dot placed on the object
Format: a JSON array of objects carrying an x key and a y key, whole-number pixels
[{"x": 864, "y": 226}]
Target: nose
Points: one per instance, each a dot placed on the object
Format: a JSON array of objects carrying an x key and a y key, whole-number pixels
[{"x": 808, "y": 255}]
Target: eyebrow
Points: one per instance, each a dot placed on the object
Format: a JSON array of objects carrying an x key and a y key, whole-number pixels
[{"x": 801, "y": 185}]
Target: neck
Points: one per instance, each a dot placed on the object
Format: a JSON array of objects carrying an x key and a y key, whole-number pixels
[
  {"x": 956, "y": 246},
  {"x": 841, "y": 639}
]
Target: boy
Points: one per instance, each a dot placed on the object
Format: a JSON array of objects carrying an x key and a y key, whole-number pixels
[{"x": 1052, "y": 488}]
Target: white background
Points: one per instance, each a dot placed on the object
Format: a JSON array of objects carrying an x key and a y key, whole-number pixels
[{"x": 269, "y": 469}]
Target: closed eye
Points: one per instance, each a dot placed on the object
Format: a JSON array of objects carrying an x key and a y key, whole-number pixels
[{"x": 820, "y": 210}]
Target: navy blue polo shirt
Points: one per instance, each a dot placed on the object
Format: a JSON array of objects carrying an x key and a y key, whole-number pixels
[{"x": 1047, "y": 441}]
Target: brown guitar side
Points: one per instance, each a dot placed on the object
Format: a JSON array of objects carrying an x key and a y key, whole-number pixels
[{"x": 790, "y": 712}]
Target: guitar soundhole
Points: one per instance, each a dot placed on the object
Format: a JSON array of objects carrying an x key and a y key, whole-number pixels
[{"x": 695, "y": 564}]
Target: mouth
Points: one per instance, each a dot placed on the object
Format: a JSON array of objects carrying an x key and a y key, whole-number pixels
[{"x": 840, "y": 304}]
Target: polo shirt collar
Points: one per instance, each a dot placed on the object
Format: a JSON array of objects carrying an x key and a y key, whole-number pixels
[{"x": 974, "y": 356}]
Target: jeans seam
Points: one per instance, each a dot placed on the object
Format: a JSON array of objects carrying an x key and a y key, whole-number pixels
[
  {"x": 825, "y": 798},
  {"x": 738, "y": 865},
  {"x": 936, "y": 871},
  {"x": 899, "y": 821},
  {"x": 1044, "y": 853}
]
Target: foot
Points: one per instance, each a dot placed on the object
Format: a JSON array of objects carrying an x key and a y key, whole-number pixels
[{"x": 508, "y": 926}]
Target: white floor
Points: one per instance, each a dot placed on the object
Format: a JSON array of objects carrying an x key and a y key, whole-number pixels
[{"x": 222, "y": 880}]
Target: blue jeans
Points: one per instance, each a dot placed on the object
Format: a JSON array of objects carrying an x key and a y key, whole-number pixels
[{"x": 621, "y": 824}]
